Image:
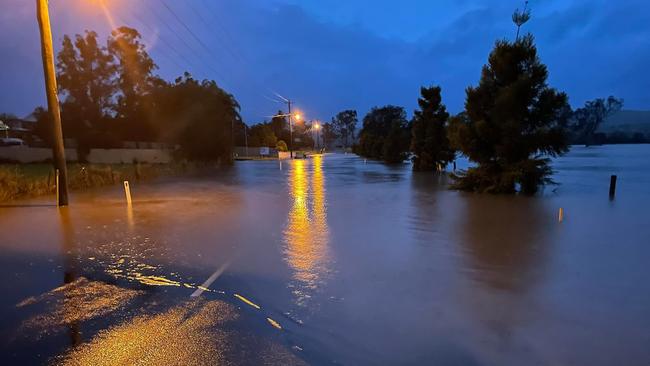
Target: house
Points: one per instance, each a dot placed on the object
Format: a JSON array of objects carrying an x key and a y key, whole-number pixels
[{"x": 21, "y": 128}]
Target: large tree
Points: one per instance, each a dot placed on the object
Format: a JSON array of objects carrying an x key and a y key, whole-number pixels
[
  {"x": 385, "y": 134},
  {"x": 513, "y": 121},
  {"x": 429, "y": 142},
  {"x": 198, "y": 116},
  {"x": 86, "y": 79},
  {"x": 262, "y": 134},
  {"x": 135, "y": 84},
  {"x": 345, "y": 123}
]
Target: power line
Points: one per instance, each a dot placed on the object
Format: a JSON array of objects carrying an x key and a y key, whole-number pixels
[{"x": 189, "y": 30}]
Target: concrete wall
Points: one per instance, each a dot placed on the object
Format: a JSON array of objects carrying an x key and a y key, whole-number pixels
[
  {"x": 113, "y": 156},
  {"x": 25, "y": 154}
]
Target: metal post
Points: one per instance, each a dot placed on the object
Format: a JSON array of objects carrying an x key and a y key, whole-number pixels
[
  {"x": 47, "y": 53},
  {"x": 612, "y": 186}
]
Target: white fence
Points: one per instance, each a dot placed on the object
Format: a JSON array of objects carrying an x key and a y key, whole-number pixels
[{"x": 25, "y": 154}]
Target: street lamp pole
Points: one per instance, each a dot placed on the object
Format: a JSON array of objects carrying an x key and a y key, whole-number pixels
[{"x": 47, "y": 53}]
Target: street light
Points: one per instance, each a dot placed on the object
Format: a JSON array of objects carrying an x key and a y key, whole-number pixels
[
  {"x": 47, "y": 53},
  {"x": 291, "y": 116}
]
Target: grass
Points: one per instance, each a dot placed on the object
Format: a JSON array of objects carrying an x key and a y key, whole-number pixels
[{"x": 30, "y": 180}]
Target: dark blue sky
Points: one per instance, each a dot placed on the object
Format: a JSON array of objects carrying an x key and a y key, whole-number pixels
[{"x": 339, "y": 54}]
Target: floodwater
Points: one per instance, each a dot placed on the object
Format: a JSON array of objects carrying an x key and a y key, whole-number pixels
[{"x": 334, "y": 260}]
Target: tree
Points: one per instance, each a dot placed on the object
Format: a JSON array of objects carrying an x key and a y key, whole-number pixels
[
  {"x": 198, "y": 116},
  {"x": 429, "y": 142},
  {"x": 85, "y": 75},
  {"x": 520, "y": 18},
  {"x": 329, "y": 134},
  {"x": 385, "y": 134},
  {"x": 512, "y": 121},
  {"x": 135, "y": 84},
  {"x": 345, "y": 123},
  {"x": 262, "y": 135},
  {"x": 585, "y": 121}
]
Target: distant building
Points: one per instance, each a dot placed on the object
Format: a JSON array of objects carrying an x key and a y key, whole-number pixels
[{"x": 21, "y": 128}]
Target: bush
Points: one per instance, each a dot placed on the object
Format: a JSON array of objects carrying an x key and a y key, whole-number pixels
[{"x": 281, "y": 146}]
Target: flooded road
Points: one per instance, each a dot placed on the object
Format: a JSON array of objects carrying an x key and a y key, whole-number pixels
[{"x": 335, "y": 261}]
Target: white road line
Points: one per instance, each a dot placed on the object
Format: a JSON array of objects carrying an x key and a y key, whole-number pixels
[{"x": 210, "y": 280}]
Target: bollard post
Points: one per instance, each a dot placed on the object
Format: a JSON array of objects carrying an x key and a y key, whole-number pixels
[
  {"x": 127, "y": 192},
  {"x": 560, "y": 216},
  {"x": 612, "y": 187}
]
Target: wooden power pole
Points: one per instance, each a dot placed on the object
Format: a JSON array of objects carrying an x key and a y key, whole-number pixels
[{"x": 47, "y": 51}]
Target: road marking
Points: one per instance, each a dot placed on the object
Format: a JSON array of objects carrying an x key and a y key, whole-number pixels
[
  {"x": 274, "y": 323},
  {"x": 240, "y": 297},
  {"x": 205, "y": 286}
]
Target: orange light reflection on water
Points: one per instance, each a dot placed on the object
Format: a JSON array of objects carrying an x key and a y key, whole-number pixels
[{"x": 307, "y": 233}]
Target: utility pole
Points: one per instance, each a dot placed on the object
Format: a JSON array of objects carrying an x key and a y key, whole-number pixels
[{"x": 47, "y": 52}]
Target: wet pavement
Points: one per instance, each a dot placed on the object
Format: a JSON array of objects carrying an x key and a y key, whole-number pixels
[{"x": 334, "y": 261}]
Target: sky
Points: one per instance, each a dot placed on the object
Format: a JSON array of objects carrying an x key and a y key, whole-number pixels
[{"x": 332, "y": 55}]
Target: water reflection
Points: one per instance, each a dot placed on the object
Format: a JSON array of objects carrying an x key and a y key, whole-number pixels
[
  {"x": 307, "y": 234},
  {"x": 69, "y": 269},
  {"x": 505, "y": 240}
]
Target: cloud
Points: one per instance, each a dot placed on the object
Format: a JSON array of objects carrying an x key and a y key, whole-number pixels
[{"x": 329, "y": 57}]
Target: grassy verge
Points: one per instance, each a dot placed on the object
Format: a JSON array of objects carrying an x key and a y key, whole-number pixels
[{"x": 29, "y": 180}]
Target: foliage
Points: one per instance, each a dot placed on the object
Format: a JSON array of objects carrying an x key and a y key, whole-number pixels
[
  {"x": 261, "y": 135},
  {"x": 31, "y": 180},
  {"x": 280, "y": 127},
  {"x": 198, "y": 116},
  {"x": 512, "y": 120},
  {"x": 135, "y": 84},
  {"x": 585, "y": 121},
  {"x": 520, "y": 18},
  {"x": 86, "y": 73},
  {"x": 110, "y": 94},
  {"x": 385, "y": 134},
  {"x": 429, "y": 142},
  {"x": 345, "y": 124},
  {"x": 281, "y": 146},
  {"x": 329, "y": 134}
]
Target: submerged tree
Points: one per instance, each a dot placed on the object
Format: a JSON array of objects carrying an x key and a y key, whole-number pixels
[
  {"x": 429, "y": 142},
  {"x": 512, "y": 122},
  {"x": 385, "y": 134},
  {"x": 586, "y": 120}
]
